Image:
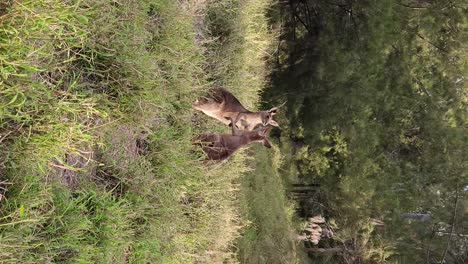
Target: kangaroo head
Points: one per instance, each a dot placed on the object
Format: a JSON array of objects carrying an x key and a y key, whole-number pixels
[
  {"x": 260, "y": 134},
  {"x": 267, "y": 117}
]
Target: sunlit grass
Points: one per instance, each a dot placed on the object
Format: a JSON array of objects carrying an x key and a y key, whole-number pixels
[
  {"x": 96, "y": 162},
  {"x": 245, "y": 44}
]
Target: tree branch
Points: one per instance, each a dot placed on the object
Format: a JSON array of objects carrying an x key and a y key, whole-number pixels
[
  {"x": 411, "y": 7},
  {"x": 428, "y": 251},
  {"x": 452, "y": 229},
  {"x": 303, "y": 23},
  {"x": 428, "y": 41}
]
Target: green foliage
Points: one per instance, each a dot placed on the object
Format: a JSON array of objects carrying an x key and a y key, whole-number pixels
[{"x": 377, "y": 109}]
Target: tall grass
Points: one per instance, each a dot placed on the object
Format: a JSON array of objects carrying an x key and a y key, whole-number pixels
[
  {"x": 96, "y": 162},
  {"x": 270, "y": 235},
  {"x": 244, "y": 43}
]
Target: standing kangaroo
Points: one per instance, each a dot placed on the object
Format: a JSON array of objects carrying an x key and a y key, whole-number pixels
[
  {"x": 222, "y": 105},
  {"x": 220, "y": 146}
]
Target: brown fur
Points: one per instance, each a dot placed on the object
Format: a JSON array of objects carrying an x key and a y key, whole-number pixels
[
  {"x": 223, "y": 106},
  {"x": 218, "y": 147}
]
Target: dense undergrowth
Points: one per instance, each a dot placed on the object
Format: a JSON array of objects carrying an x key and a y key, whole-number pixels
[{"x": 96, "y": 162}]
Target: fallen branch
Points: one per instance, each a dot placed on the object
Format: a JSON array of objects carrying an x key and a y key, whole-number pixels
[{"x": 428, "y": 41}]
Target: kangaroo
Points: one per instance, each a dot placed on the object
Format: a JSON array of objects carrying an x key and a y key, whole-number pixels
[
  {"x": 219, "y": 147},
  {"x": 222, "y": 105}
]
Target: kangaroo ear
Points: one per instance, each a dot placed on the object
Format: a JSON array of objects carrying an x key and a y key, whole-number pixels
[
  {"x": 273, "y": 123},
  {"x": 273, "y": 111},
  {"x": 266, "y": 143}
]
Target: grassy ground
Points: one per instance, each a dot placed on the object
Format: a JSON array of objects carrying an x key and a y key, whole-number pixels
[
  {"x": 268, "y": 238},
  {"x": 270, "y": 235},
  {"x": 96, "y": 163}
]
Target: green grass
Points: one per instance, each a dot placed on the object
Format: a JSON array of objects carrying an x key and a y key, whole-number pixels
[
  {"x": 96, "y": 162},
  {"x": 244, "y": 44},
  {"x": 76, "y": 192},
  {"x": 269, "y": 237}
]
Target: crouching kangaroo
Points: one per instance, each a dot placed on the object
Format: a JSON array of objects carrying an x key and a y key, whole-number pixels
[
  {"x": 223, "y": 106},
  {"x": 219, "y": 147}
]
